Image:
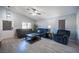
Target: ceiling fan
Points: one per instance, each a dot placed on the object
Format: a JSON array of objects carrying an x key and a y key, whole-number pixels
[{"x": 35, "y": 11}]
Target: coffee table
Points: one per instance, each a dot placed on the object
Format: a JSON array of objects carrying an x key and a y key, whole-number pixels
[{"x": 32, "y": 37}]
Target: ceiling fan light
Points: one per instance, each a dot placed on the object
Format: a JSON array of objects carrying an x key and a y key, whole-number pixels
[
  {"x": 34, "y": 14},
  {"x": 36, "y": 11}
]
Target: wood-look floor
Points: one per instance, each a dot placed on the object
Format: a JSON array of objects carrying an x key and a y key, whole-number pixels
[{"x": 41, "y": 46}]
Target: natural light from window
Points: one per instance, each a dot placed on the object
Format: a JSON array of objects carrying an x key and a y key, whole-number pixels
[{"x": 26, "y": 25}]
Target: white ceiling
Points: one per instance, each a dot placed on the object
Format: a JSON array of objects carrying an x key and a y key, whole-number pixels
[{"x": 46, "y": 11}]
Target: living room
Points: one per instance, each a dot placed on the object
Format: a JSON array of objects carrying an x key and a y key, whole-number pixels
[{"x": 48, "y": 18}]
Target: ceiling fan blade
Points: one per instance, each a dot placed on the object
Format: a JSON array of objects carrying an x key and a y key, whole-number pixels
[
  {"x": 33, "y": 9},
  {"x": 39, "y": 13}
]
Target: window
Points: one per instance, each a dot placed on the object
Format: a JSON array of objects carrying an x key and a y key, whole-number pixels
[
  {"x": 29, "y": 25},
  {"x": 26, "y": 25}
]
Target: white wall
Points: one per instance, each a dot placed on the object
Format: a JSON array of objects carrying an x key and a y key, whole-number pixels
[
  {"x": 16, "y": 19},
  {"x": 70, "y": 24}
]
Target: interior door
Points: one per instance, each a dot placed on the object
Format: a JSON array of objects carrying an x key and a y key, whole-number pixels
[{"x": 62, "y": 24}]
